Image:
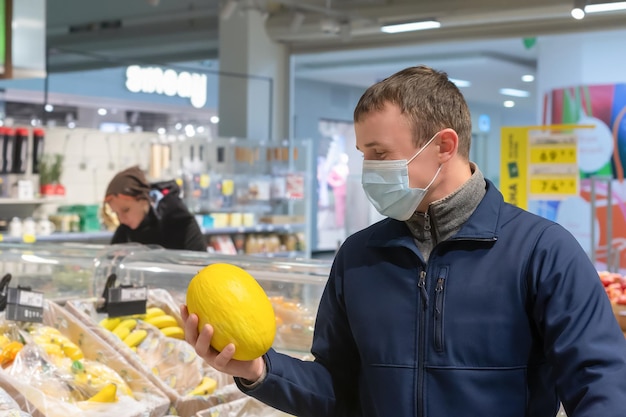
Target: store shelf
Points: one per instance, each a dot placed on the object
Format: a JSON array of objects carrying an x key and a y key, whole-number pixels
[
  {"x": 32, "y": 201},
  {"x": 105, "y": 236},
  {"x": 259, "y": 228},
  {"x": 61, "y": 237}
]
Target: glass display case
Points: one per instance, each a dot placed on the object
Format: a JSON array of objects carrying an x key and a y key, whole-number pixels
[
  {"x": 80, "y": 271},
  {"x": 74, "y": 277}
]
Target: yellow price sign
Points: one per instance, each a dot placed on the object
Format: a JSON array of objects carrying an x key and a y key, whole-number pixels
[
  {"x": 554, "y": 186},
  {"x": 553, "y": 154},
  {"x": 205, "y": 181}
]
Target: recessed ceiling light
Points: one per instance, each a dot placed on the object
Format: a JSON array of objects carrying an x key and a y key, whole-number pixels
[
  {"x": 513, "y": 92},
  {"x": 578, "y": 13},
  {"x": 410, "y": 26},
  {"x": 102, "y": 111},
  {"x": 605, "y": 7},
  {"x": 528, "y": 78},
  {"x": 509, "y": 104},
  {"x": 460, "y": 83}
]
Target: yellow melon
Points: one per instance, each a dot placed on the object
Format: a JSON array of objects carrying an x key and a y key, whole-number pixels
[{"x": 232, "y": 301}]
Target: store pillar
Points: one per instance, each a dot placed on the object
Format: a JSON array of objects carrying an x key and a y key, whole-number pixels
[{"x": 254, "y": 80}]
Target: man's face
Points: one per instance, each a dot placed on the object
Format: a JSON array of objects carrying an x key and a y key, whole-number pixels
[
  {"x": 387, "y": 135},
  {"x": 129, "y": 210}
]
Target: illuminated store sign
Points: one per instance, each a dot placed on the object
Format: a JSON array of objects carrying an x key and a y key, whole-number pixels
[{"x": 155, "y": 80}]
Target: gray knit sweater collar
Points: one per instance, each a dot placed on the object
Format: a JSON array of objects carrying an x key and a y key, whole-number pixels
[{"x": 446, "y": 216}]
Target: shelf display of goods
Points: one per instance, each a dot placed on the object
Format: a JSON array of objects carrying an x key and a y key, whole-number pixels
[
  {"x": 615, "y": 287},
  {"x": 60, "y": 368},
  {"x": 153, "y": 343}
]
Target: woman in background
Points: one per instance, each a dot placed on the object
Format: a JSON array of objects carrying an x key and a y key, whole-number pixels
[{"x": 151, "y": 214}]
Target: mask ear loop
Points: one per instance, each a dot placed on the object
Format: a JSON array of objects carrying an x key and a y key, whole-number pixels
[
  {"x": 434, "y": 178},
  {"x": 423, "y": 147}
]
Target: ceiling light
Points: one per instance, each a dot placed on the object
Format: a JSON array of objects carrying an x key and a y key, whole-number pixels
[
  {"x": 578, "y": 13},
  {"x": 102, "y": 111},
  {"x": 49, "y": 107},
  {"x": 605, "y": 7},
  {"x": 513, "y": 92},
  {"x": 161, "y": 131},
  {"x": 214, "y": 119},
  {"x": 410, "y": 26},
  {"x": 509, "y": 103},
  {"x": 460, "y": 83},
  {"x": 528, "y": 78}
]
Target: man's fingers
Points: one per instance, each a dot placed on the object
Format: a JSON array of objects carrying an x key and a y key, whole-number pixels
[
  {"x": 184, "y": 312},
  {"x": 191, "y": 329},
  {"x": 203, "y": 342},
  {"x": 222, "y": 359}
]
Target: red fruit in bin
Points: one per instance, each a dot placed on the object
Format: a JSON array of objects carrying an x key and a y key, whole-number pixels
[
  {"x": 606, "y": 278},
  {"x": 621, "y": 300}
]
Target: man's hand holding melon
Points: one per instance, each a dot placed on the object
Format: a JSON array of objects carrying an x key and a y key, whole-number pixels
[{"x": 229, "y": 320}]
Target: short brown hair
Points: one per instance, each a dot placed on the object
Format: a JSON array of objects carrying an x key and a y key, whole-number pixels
[{"x": 429, "y": 100}]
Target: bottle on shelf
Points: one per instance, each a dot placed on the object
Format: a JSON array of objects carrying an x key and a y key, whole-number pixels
[
  {"x": 38, "y": 139},
  {"x": 8, "y": 142},
  {"x": 20, "y": 150}
]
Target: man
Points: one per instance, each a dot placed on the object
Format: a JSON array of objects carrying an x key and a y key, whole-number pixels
[{"x": 457, "y": 304}]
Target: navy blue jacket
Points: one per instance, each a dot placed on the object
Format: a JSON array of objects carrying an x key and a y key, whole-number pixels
[{"x": 507, "y": 319}]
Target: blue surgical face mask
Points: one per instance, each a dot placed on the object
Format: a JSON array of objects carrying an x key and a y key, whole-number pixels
[{"x": 386, "y": 184}]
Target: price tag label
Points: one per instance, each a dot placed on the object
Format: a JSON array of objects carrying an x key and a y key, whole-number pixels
[
  {"x": 24, "y": 305},
  {"x": 546, "y": 154},
  {"x": 134, "y": 294},
  {"x": 124, "y": 301},
  {"x": 554, "y": 186}
]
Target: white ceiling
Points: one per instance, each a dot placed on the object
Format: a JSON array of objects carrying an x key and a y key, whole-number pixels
[
  {"x": 480, "y": 40},
  {"x": 487, "y": 64}
]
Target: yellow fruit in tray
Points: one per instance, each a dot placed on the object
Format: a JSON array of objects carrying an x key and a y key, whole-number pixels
[
  {"x": 108, "y": 394},
  {"x": 129, "y": 323},
  {"x": 173, "y": 331},
  {"x": 121, "y": 331},
  {"x": 72, "y": 351},
  {"x": 232, "y": 301},
  {"x": 110, "y": 323},
  {"x": 205, "y": 387},
  {"x": 153, "y": 312},
  {"x": 135, "y": 337},
  {"x": 162, "y": 321}
]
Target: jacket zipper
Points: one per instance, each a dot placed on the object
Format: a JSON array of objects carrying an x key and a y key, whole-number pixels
[
  {"x": 421, "y": 344},
  {"x": 439, "y": 297}
]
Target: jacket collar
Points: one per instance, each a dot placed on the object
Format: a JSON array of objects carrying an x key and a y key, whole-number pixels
[{"x": 482, "y": 224}]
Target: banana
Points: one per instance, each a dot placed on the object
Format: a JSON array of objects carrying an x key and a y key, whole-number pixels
[
  {"x": 110, "y": 323},
  {"x": 108, "y": 394},
  {"x": 135, "y": 338},
  {"x": 206, "y": 387},
  {"x": 121, "y": 331},
  {"x": 72, "y": 350},
  {"x": 152, "y": 312},
  {"x": 173, "y": 331},
  {"x": 162, "y": 321},
  {"x": 129, "y": 323}
]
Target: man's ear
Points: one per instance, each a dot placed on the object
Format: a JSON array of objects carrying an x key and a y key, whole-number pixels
[{"x": 448, "y": 145}]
